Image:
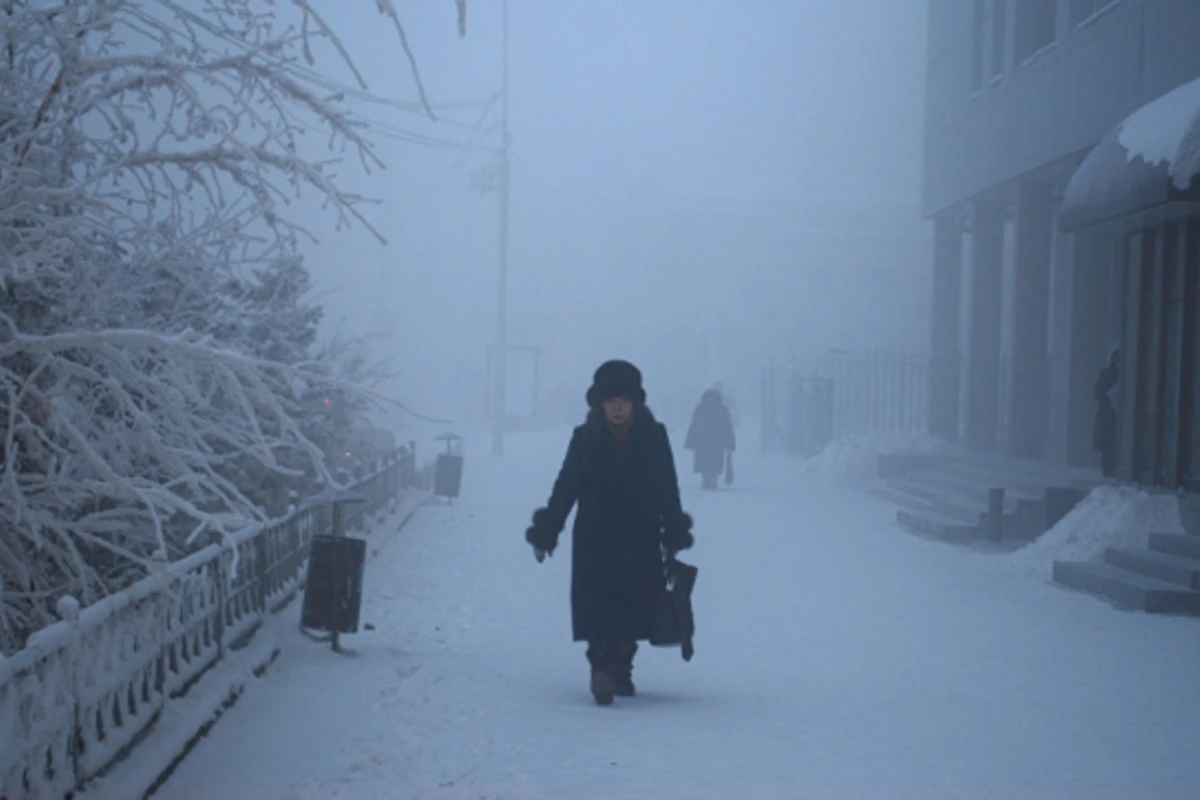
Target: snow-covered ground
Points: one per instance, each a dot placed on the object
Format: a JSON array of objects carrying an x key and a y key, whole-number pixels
[{"x": 836, "y": 657}]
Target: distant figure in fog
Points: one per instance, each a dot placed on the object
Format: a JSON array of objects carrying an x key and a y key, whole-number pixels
[
  {"x": 1104, "y": 431},
  {"x": 620, "y": 469},
  {"x": 710, "y": 438}
]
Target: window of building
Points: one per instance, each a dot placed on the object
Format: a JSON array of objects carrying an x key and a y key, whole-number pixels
[
  {"x": 1037, "y": 26},
  {"x": 977, "y": 51},
  {"x": 999, "y": 35}
]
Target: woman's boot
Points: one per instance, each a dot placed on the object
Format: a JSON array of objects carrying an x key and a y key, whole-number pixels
[
  {"x": 623, "y": 670},
  {"x": 602, "y": 657}
]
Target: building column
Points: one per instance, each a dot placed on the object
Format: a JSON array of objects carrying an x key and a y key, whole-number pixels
[
  {"x": 1154, "y": 413},
  {"x": 1090, "y": 267},
  {"x": 983, "y": 349},
  {"x": 1189, "y": 413},
  {"x": 1059, "y": 348},
  {"x": 1033, "y": 245},
  {"x": 945, "y": 357},
  {"x": 1138, "y": 370}
]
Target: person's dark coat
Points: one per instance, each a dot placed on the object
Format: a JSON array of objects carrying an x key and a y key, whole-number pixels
[
  {"x": 1104, "y": 429},
  {"x": 710, "y": 436},
  {"x": 629, "y": 508}
]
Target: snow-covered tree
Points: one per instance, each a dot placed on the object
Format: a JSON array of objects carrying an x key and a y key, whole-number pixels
[{"x": 153, "y": 331}]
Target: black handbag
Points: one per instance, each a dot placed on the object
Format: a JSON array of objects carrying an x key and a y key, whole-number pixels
[{"x": 674, "y": 623}]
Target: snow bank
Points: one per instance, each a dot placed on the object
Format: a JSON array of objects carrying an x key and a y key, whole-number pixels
[
  {"x": 1110, "y": 516},
  {"x": 1167, "y": 131},
  {"x": 855, "y": 459}
]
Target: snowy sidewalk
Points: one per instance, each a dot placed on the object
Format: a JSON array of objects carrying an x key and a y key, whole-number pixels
[{"x": 836, "y": 657}]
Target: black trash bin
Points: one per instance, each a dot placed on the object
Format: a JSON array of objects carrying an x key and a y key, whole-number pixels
[
  {"x": 333, "y": 593},
  {"x": 333, "y": 582},
  {"x": 447, "y": 476}
]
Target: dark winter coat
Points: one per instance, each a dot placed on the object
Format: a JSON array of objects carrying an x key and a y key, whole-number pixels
[
  {"x": 710, "y": 435},
  {"x": 628, "y": 497},
  {"x": 1104, "y": 429}
]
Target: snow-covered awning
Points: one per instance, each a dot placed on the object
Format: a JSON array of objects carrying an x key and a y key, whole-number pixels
[{"x": 1150, "y": 160}]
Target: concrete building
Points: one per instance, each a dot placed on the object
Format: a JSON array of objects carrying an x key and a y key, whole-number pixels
[{"x": 1057, "y": 239}]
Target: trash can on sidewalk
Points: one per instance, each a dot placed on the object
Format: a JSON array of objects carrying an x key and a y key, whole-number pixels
[
  {"x": 333, "y": 593},
  {"x": 447, "y": 476},
  {"x": 333, "y": 582}
]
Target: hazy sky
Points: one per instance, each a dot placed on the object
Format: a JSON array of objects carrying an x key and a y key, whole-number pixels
[{"x": 614, "y": 102}]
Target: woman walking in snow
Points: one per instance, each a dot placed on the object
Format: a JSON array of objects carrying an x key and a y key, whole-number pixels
[
  {"x": 620, "y": 469},
  {"x": 710, "y": 437}
]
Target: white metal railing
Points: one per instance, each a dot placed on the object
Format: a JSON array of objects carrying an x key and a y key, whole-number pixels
[{"x": 82, "y": 690}]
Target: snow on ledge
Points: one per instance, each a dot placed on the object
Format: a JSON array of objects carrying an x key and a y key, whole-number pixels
[
  {"x": 1110, "y": 516},
  {"x": 1167, "y": 131}
]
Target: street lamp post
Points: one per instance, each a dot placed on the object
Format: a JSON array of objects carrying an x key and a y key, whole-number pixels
[{"x": 499, "y": 394}]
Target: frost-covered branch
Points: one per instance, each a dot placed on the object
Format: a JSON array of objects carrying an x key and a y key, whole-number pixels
[{"x": 159, "y": 375}]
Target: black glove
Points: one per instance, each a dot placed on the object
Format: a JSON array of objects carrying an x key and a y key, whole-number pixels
[
  {"x": 678, "y": 534},
  {"x": 541, "y": 536}
]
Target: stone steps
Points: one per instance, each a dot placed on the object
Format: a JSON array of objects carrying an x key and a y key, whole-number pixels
[
  {"x": 1013, "y": 482},
  {"x": 947, "y": 500},
  {"x": 1183, "y": 572},
  {"x": 947, "y": 497},
  {"x": 1161, "y": 579},
  {"x": 1037, "y": 472},
  {"x": 937, "y": 488},
  {"x": 1126, "y": 589},
  {"x": 933, "y": 525},
  {"x": 942, "y": 501},
  {"x": 1030, "y": 482},
  {"x": 956, "y": 489},
  {"x": 901, "y": 499},
  {"x": 1183, "y": 545}
]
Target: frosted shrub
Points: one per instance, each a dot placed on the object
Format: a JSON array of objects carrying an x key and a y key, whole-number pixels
[{"x": 148, "y": 150}]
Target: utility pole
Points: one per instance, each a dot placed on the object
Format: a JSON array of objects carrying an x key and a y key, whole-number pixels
[{"x": 499, "y": 394}]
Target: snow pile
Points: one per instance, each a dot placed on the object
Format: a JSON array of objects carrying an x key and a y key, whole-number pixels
[
  {"x": 1167, "y": 131},
  {"x": 855, "y": 459},
  {"x": 1110, "y": 516}
]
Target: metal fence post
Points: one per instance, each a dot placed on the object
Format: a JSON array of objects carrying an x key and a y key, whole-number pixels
[
  {"x": 396, "y": 462},
  {"x": 262, "y": 551},
  {"x": 222, "y": 580},
  {"x": 67, "y": 609}
]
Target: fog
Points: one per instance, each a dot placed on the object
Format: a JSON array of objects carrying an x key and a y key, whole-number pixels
[{"x": 702, "y": 187}]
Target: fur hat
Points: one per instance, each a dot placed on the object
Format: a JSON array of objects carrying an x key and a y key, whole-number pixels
[{"x": 616, "y": 379}]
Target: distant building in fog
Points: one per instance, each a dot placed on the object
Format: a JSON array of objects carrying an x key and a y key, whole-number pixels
[{"x": 1055, "y": 241}]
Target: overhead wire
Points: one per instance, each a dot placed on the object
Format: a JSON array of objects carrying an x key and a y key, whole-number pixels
[{"x": 473, "y": 146}]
